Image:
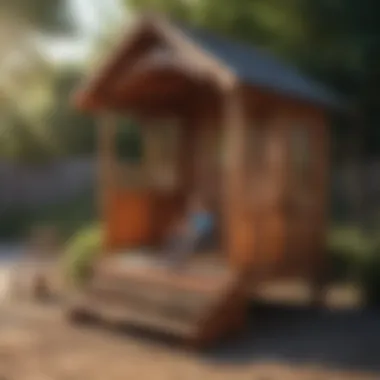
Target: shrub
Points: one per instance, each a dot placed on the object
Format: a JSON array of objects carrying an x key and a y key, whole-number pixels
[
  {"x": 370, "y": 279},
  {"x": 80, "y": 254},
  {"x": 348, "y": 250},
  {"x": 355, "y": 255}
]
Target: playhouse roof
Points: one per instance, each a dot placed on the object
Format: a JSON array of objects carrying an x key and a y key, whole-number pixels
[
  {"x": 257, "y": 67},
  {"x": 249, "y": 64}
]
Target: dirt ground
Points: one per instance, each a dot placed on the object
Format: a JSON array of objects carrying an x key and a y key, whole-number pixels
[
  {"x": 280, "y": 343},
  {"x": 37, "y": 344}
]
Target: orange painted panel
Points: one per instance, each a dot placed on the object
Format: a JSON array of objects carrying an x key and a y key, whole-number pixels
[
  {"x": 128, "y": 219},
  {"x": 138, "y": 217}
]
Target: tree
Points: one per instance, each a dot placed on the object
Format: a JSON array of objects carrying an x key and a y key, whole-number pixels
[
  {"x": 26, "y": 77},
  {"x": 48, "y": 16},
  {"x": 26, "y": 98},
  {"x": 275, "y": 24},
  {"x": 73, "y": 130}
]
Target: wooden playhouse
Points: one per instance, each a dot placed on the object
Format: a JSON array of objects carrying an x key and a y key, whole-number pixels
[{"x": 224, "y": 120}]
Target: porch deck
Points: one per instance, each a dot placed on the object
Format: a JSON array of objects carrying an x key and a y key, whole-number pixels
[
  {"x": 136, "y": 287},
  {"x": 199, "y": 273}
]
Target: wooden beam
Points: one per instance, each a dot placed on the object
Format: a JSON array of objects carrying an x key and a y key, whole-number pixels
[
  {"x": 161, "y": 63},
  {"x": 238, "y": 229},
  {"x": 203, "y": 155},
  {"x": 107, "y": 125},
  {"x": 135, "y": 42},
  {"x": 186, "y": 159},
  {"x": 278, "y": 191},
  {"x": 321, "y": 171},
  {"x": 199, "y": 59}
]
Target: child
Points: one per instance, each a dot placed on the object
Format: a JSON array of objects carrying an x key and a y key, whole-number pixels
[{"x": 188, "y": 234}]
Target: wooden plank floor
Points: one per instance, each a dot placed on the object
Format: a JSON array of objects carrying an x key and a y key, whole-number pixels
[
  {"x": 201, "y": 273},
  {"x": 138, "y": 289}
]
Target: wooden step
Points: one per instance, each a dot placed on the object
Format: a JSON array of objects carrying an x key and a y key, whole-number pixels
[
  {"x": 151, "y": 289},
  {"x": 179, "y": 302},
  {"x": 134, "y": 317},
  {"x": 174, "y": 310},
  {"x": 188, "y": 307},
  {"x": 195, "y": 306},
  {"x": 171, "y": 288},
  {"x": 162, "y": 277},
  {"x": 160, "y": 289}
]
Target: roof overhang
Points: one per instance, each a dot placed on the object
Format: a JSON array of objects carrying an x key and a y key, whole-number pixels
[{"x": 140, "y": 53}]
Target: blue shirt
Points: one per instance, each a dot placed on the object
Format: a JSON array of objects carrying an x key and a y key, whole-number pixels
[{"x": 202, "y": 222}]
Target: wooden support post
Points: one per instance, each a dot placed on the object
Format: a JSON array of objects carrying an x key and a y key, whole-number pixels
[
  {"x": 186, "y": 162},
  {"x": 320, "y": 270},
  {"x": 239, "y": 231},
  {"x": 107, "y": 161},
  {"x": 279, "y": 206},
  {"x": 203, "y": 155}
]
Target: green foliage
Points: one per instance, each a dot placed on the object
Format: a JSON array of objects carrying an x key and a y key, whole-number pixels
[
  {"x": 26, "y": 81},
  {"x": 25, "y": 85},
  {"x": 349, "y": 249},
  {"x": 50, "y": 16},
  {"x": 355, "y": 256},
  {"x": 81, "y": 252},
  {"x": 21, "y": 143},
  {"x": 271, "y": 23},
  {"x": 74, "y": 130},
  {"x": 370, "y": 278}
]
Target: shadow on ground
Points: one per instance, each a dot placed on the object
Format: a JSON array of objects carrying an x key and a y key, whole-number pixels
[
  {"x": 341, "y": 340},
  {"x": 346, "y": 340}
]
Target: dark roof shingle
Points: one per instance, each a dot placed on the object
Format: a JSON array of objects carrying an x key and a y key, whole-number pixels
[{"x": 257, "y": 67}]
